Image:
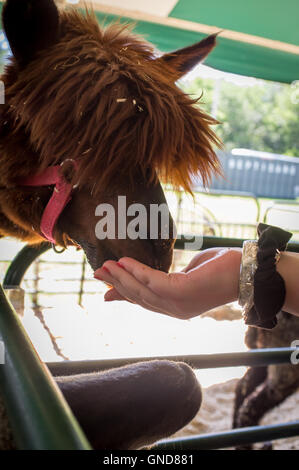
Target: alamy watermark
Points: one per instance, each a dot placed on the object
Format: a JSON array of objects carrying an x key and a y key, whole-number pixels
[
  {"x": 2, "y": 353},
  {"x": 146, "y": 223},
  {"x": 2, "y": 92},
  {"x": 295, "y": 354}
]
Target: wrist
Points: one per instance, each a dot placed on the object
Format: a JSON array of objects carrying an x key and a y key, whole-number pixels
[
  {"x": 262, "y": 289},
  {"x": 233, "y": 277},
  {"x": 288, "y": 268},
  {"x": 230, "y": 275}
]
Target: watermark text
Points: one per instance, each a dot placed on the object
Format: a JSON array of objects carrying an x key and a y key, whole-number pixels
[
  {"x": 295, "y": 354},
  {"x": 2, "y": 92},
  {"x": 136, "y": 221},
  {"x": 2, "y": 353}
]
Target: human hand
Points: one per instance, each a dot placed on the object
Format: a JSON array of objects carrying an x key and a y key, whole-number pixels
[{"x": 211, "y": 279}]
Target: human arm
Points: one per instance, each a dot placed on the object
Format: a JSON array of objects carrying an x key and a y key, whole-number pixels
[
  {"x": 288, "y": 268},
  {"x": 210, "y": 279}
]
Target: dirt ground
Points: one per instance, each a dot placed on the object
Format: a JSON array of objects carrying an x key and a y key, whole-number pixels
[{"x": 217, "y": 408}]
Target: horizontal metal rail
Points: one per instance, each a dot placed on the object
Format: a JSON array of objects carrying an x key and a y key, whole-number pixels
[
  {"x": 236, "y": 437},
  {"x": 38, "y": 414},
  {"x": 253, "y": 358},
  {"x": 29, "y": 253},
  {"x": 212, "y": 242},
  {"x": 245, "y": 194}
]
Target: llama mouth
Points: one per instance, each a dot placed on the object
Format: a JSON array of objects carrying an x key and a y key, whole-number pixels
[{"x": 94, "y": 258}]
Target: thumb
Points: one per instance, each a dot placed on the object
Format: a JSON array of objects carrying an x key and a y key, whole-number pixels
[{"x": 112, "y": 294}]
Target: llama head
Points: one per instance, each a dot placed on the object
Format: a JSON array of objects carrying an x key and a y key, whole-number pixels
[{"x": 102, "y": 97}]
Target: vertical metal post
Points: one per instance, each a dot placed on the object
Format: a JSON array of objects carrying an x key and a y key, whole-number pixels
[{"x": 39, "y": 416}]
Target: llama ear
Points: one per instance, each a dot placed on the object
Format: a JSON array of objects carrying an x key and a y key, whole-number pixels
[
  {"x": 183, "y": 60},
  {"x": 30, "y": 25}
]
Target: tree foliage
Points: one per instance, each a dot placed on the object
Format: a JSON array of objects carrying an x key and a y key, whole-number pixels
[{"x": 262, "y": 117}]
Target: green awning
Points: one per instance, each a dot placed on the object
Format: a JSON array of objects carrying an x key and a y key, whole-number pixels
[{"x": 260, "y": 38}]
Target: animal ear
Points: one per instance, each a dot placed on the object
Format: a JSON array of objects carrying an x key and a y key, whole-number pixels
[
  {"x": 30, "y": 26},
  {"x": 183, "y": 60}
]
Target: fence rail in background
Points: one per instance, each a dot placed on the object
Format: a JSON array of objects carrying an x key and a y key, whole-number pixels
[
  {"x": 254, "y": 175},
  {"x": 260, "y": 173}
]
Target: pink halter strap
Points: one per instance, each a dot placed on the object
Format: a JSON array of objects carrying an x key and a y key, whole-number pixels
[{"x": 59, "y": 199}]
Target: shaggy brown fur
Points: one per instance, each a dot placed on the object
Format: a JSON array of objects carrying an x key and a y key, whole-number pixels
[{"x": 98, "y": 96}]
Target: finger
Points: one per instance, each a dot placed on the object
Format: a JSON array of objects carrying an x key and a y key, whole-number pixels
[
  {"x": 131, "y": 289},
  {"x": 127, "y": 286},
  {"x": 146, "y": 275},
  {"x": 164, "y": 286},
  {"x": 113, "y": 295}
]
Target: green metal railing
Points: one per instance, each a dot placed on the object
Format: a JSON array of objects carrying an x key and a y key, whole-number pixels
[
  {"x": 40, "y": 417},
  {"x": 29, "y": 253},
  {"x": 236, "y": 437},
  {"x": 19, "y": 265},
  {"x": 253, "y": 358}
]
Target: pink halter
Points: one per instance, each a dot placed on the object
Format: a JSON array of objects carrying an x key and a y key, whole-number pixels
[{"x": 59, "y": 199}]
